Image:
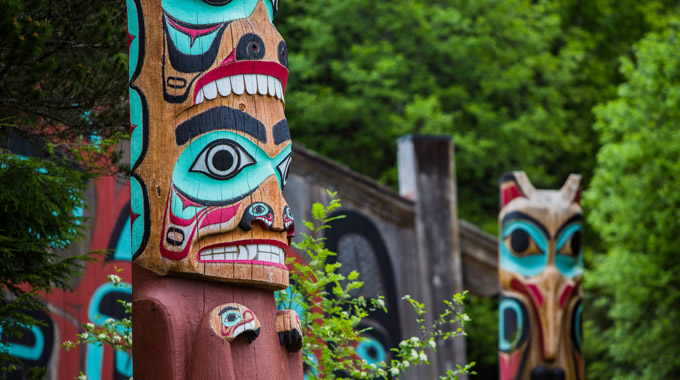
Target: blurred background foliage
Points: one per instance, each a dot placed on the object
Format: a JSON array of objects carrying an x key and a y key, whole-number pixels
[{"x": 545, "y": 86}]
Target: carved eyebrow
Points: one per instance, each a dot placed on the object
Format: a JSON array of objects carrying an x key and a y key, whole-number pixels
[
  {"x": 518, "y": 215},
  {"x": 228, "y": 308},
  {"x": 575, "y": 218},
  {"x": 221, "y": 117},
  {"x": 281, "y": 132}
]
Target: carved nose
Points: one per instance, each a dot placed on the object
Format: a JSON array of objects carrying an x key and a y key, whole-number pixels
[
  {"x": 550, "y": 285},
  {"x": 258, "y": 212}
]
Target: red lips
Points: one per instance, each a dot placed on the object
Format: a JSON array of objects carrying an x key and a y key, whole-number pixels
[{"x": 270, "y": 68}]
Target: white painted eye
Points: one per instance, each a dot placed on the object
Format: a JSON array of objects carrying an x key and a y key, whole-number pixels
[
  {"x": 283, "y": 170},
  {"x": 222, "y": 159}
]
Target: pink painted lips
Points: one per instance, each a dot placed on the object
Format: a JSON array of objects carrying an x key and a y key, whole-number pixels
[
  {"x": 252, "y": 77},
  {"x": 264, "y": 252}
]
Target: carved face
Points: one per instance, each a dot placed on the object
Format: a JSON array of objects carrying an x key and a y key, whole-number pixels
[
  {"x": 540, "y": 267},
  {"x": 210, "y": 142},
  {"x": 232, "y": 319}
]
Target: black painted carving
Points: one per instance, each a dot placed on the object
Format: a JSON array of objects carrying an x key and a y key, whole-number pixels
[
  {"x": 283, "y": 53},
  {"x": 250, "y": 48},
  {"x": 281, "y": 132},
  {"x": 221, "y": 117}
]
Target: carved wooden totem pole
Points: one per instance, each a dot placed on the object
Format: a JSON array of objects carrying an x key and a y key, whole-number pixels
[
  {"x": 540, "y": 268},
  {"x": 210, "y": 153}
]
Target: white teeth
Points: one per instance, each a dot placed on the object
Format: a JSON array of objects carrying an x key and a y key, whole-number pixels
[
  {"x": 259, "y": 252},
  {"x": 271, "y": 85},
  {"x": 251, "y": 84},
  {"x": 279, "y": 90},
  {"x": 224, "y": 86},
  {"x": 242, "y": 252},
  {"x": 237, "y": 84},
  {"x": 210, "y": 90},
  {"x": 262, "y": 84},
  {"x": 252, "y": 251}
]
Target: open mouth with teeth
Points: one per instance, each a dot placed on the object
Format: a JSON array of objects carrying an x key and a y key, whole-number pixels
[
  {"x": 252, "y": 77},
  {"x": 263, "y": 252}
]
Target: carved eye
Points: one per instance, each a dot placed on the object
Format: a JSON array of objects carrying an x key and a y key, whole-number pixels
[
  {"x": 283, "y": 168},
  {"x": 572, "y": 246},
  {"x": 521, "y": 244},
  {"x": 231, "y": 318},
  {"x": 222, "y": 159},
  {"x": 259, "y": 209},
  {"x": 283, "y": 53}
]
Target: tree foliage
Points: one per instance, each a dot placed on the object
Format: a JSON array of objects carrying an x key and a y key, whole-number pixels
[
  {"x": 35, "y": 225},
  {"x": 62, "y": 65},
  {"x": 513, "y": 81},
  {"x": 62, "y": 92},
  {"x": 635, "y": 208}
]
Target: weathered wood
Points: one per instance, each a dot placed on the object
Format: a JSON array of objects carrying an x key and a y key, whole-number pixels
[
  {"x": 427, "y": 175},
  {"x": 210, "y": 153},
  {"x": 541, "y": 269}
]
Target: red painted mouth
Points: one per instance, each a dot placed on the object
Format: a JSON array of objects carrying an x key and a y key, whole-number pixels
[{"x": 269, "y": 68}]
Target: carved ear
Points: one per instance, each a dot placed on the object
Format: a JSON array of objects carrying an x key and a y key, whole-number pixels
[
  {"x": 514, "y": 185},
  {"x": 571, "y": 190}
]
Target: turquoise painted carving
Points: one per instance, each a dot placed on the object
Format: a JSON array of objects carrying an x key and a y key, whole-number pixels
[
  {"x": 223, "y": 167},
  {"x": 200, "y": 13}
]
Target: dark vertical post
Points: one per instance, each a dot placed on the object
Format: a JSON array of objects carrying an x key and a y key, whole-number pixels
[{"x": 427, "y": 176}]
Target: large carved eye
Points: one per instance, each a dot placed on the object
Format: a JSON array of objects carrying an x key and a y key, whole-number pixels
[
  {"x": 513, "y": 324},
  {"x": 222, "y": 159},
  {"x": 283, "y": 168},
  {"x": 572, "y": 246},
  {"x": 520, "y": 243}
]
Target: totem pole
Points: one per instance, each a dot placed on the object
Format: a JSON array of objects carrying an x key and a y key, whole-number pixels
[
  {"x": 540, "y": 269},
  {"x": 210, "y": 153}
]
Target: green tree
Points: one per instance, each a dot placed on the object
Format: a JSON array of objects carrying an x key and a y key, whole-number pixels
[
  {"x": 63, "y": 95},
  {"x": 36, "y": 224},
  {"x": 635, "y": 208},
  {"x": 514, "y": 81},
  {"x": 61, "y": 76}
]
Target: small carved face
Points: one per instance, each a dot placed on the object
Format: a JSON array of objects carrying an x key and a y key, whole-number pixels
[
  {"x": 231, "y": 320},
  {"x": 541, "y": 267},
  {"x": 216, "y": 148}
]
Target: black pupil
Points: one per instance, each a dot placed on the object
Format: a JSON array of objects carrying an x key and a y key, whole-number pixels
[
  {"x": 372, "y": 352},
  {"x": 258, "y": 209},
  {"x": 223, "y": 160},
  {"x": 576, "y": 242},
  {"x": 510, "y": 324},
  {"x": 519, "y": 241},
  {"x": 231, "y": 317},
  {"x": 254, "y": 46}
]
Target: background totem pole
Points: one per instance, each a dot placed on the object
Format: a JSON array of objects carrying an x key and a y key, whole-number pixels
[
  {"x": 210, "y": 155},
  {"x": 540, "y": 269}
]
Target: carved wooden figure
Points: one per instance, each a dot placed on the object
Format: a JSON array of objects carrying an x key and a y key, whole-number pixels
[
  {"x": 540, "y": 269},
  {"x": 210, "y": 153}
]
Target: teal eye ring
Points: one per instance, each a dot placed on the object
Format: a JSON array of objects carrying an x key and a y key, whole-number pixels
[
  {"x": 222, "y": 160},
  {"x": 231, "y": 318}
]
